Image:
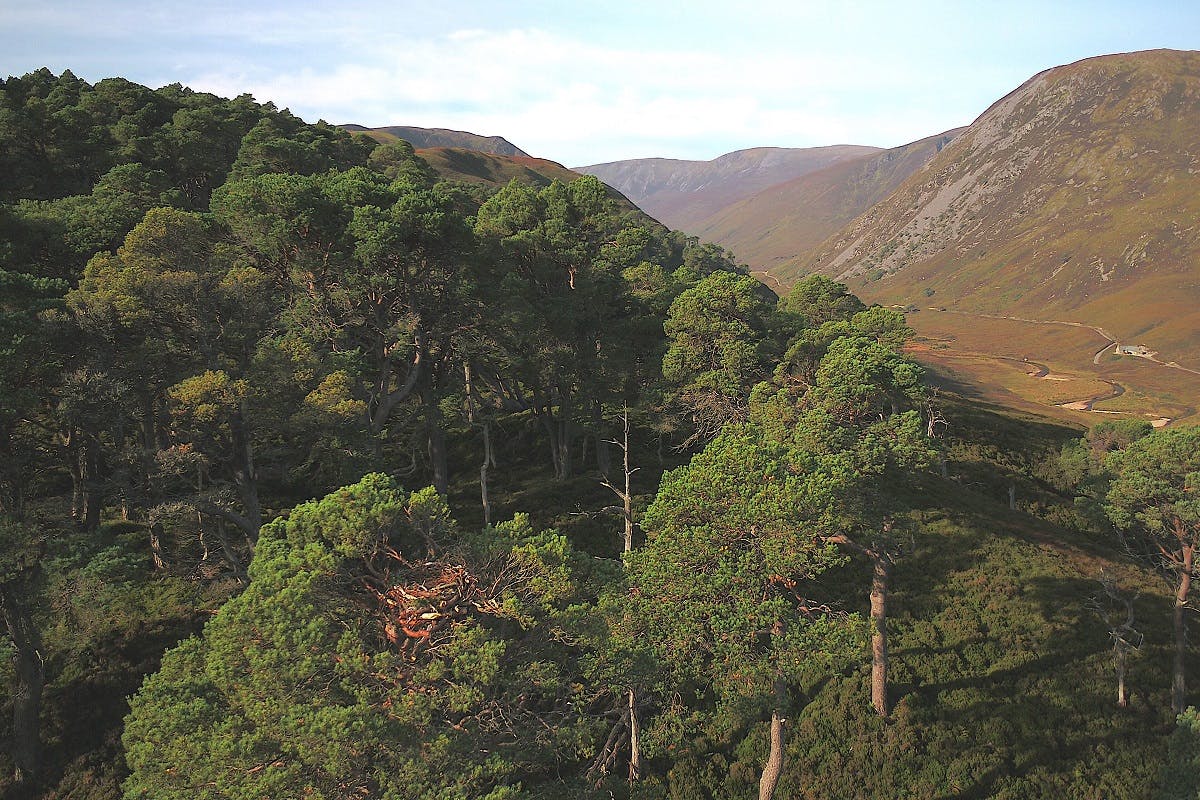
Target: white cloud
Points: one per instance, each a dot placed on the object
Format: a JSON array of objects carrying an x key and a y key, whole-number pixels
[
  {"x": 586, "y": 82},
  {"x": 577, "y": 102}
]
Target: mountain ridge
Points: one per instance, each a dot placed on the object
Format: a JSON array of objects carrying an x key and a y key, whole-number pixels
[
  {"x": 791, "y": 218},
  {"x": 683, "y": 193},
  {"x": 422, "y": 138}
]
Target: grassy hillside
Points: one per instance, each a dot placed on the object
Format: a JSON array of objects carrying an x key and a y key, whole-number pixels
[{"x": 473, "y": 166}]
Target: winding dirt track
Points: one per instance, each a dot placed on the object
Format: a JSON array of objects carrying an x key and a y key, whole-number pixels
[
  {"x": 1086, "y": 405},
  {"x": 763, "y": 275},
  {"x": 1111, "y": 341}
]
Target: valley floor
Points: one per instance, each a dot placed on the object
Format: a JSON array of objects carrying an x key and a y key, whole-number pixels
[{"x": 1070, "y": 370}]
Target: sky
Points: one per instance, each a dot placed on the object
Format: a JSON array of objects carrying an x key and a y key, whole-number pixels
[{"x": 582, "y": 81}]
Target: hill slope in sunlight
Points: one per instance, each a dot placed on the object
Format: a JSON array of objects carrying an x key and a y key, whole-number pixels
[
  {"x": 789, "y": 220},
  {"x": 1075, "y": 197}
]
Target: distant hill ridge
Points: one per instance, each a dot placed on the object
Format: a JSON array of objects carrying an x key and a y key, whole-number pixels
[
  {"x": 488, "y": 160},
  {"x": 684, "y": 194},
  {"x": 421, "y": 138},
  {"x": 790, "y": 219}
]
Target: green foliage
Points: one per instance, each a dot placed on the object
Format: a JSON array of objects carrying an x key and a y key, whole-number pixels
[
  {"x": 1180, "y": 778},
  {"x": 1156, "y": 482},
  {"x": 818, "y": 300},
  {"x": 719, "y": 347},
  {"x": 397, "y": 162},
  {"x": 353, "y": 522},
  {"x": 321, "y": 704},
  {"x": 730, "y": 539}
]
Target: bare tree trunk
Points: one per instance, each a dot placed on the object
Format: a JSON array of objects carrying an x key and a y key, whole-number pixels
[
  {"x": 149, "y": 441},
  {"x": 774, "y": 766},
  {"x": 564, "y": 444},
  {"x": 245, "y": 476},
  {"x": 230, "y": 553},
  {"x": 1122, "y": 691},
  {"x": 27, "y": 692},
  {"x": 603, "y": 457},
  {"x": 635, "y": 747},
  {"x": 558, "y": 428},
  {"x": 625, "y": 495},
  {"x": 879, "y": 648},
  {"x": 560, "y": 434},
  {"x": 436, "y": 438},
  {"x": 93, "y": 498},
  {"x": 469, "y": 392},
  {"x": 488, "y": 461},
  {"x": 1178, "y": 684},
  {"x": 1116, "y": 611},
  {"x": 74, "y": 462}
]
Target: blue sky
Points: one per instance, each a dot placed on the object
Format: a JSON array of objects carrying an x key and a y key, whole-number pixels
[{"x": 585, "y": 82}]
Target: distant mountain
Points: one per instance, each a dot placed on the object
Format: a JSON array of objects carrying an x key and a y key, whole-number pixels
[
  {"x": 789, "y": 220},
  {"x": 685, "y": 194},
  {"x": 1077, "y": 196},
  {"x": 421, "y": 138}
]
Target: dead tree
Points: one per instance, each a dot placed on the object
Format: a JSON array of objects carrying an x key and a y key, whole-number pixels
[
  {"x": 625, "y": 732},
  {"x": 933, "y": 419},
  {"x": 624, "y": 495},
  {"x": 1116, "y": 612},
  {"x": 477, "y": 419},
  {"x": 627, "y": 729}
]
